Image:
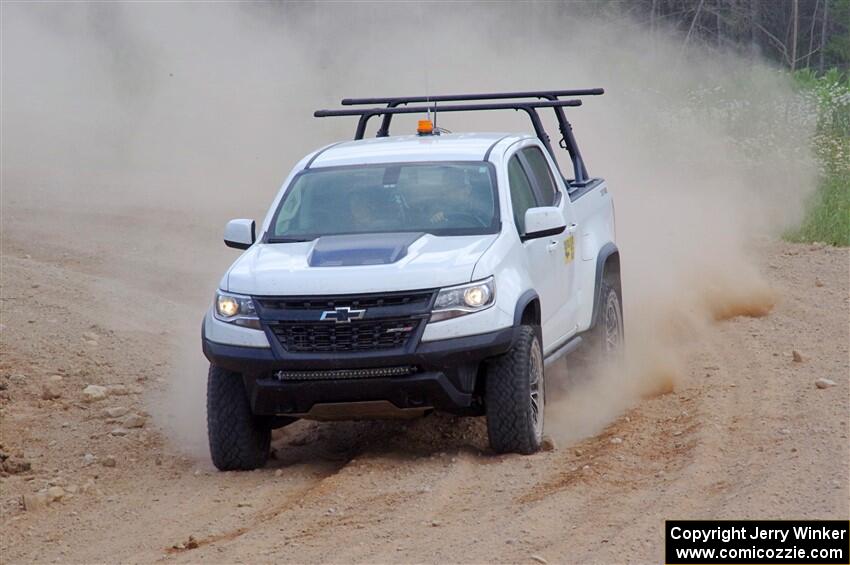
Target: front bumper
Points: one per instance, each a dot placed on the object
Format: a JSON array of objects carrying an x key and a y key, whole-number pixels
[{"x": 445, "y": 377}]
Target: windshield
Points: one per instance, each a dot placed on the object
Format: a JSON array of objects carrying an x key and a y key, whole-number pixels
[{"x": 436, "y": 198}]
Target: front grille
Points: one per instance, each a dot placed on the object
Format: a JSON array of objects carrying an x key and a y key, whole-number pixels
[
  {"x": 414, "y": 300},
  {"x": 345, "y": 323},
  {"x": 358, "y": 335}
]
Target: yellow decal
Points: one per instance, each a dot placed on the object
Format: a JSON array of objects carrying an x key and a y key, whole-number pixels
[{"x": 569, "y": 249}]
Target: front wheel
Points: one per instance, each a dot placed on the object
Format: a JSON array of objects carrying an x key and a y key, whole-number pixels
[
  {"x": 239, "y": 440},
  {"x": 515, "y": 396}
]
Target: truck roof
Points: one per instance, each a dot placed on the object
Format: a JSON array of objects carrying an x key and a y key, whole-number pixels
[{"x": 407, "y": 148}]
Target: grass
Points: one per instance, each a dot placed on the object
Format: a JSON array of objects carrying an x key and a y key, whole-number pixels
[
  {"x": 828, "y": 216},
  {"x": 828, "y": 213}
]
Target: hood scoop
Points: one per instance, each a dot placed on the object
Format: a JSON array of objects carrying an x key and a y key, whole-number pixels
[{"x": 360, "y": 249}]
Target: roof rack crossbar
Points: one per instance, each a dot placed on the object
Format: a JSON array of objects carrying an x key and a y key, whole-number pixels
[
  {"x": 452, "y": 108},
  {"x": 398, "y": 100}
]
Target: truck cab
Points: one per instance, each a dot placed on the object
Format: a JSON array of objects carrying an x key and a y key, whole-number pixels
[{"x": 399, "y": 275}]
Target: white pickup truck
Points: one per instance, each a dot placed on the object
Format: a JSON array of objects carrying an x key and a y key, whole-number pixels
[{"x": 398, "y": 275}]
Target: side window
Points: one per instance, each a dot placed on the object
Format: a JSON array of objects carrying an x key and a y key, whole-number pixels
[
  {"x": 522, "y": 197},
  {"x": 544, "y": 184}
]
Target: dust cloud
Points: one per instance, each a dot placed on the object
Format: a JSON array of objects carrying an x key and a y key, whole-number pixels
[{"x": 178, "y": 116}]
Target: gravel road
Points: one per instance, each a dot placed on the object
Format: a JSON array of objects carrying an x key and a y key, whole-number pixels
[{"x": 111, "y": 300}]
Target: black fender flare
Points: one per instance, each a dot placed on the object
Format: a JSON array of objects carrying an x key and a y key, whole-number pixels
[
  {"x": 605, "y": 252},
  {"x": 524, "y": 300}
]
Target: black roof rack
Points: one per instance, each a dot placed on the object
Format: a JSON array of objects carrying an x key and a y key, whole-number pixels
[{"x": 546, "y": 99}]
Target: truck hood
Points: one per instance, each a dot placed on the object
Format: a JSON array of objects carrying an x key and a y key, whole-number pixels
[{"x": 356, "y": 264}]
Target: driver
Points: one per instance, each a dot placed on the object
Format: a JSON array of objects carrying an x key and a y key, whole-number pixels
[
  {"x": 362, "y": 215},
  {"x": 373, "y": 210},
  {"x": 458, "y": 198}
]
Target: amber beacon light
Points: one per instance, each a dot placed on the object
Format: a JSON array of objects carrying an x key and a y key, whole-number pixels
[{"x": 425, "y": 127}]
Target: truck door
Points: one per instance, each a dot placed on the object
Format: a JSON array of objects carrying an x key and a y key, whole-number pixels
[
  {"x": 550, "y": 259},
  {"x": 559, "y": 261}
]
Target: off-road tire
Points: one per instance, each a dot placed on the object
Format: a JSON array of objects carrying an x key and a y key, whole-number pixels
[
  {"x": 606, "y": 342},
  {"x": 510, "y": 415},
  {"x": 239, "y": 440}
]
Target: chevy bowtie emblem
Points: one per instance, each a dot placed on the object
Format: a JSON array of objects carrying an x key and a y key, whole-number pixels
[{"x": 342, "y": 315}]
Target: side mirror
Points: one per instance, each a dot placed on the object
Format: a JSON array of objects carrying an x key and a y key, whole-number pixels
[
  {"x": 543, "y": 221},
  {"x": 240, "y": 234}
]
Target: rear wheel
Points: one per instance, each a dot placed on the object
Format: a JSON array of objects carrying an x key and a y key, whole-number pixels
[
  {"x": 239, "y": 440},
  {"x": 515, "y": 396},
  {"x": 606, "y": 338}
]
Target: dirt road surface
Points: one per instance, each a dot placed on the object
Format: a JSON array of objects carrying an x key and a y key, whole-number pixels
[{"x": 110, "y": 299}]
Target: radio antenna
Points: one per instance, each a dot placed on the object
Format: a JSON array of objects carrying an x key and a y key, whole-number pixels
[
  {"x": 427, "y": 96},
  {"x": 428, "y": 103}
]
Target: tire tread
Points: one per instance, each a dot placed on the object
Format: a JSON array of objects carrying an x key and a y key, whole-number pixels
[
  {"x": 509, "y": 423},
  {"x": 239, "y": 440}
]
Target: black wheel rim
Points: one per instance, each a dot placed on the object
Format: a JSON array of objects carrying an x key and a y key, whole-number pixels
[
  {"x": 613, "y": 323},
  {"x": 535, "y": 381}
]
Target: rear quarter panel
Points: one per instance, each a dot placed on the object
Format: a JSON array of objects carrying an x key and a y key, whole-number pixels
[{"x": 594, "y": 212}]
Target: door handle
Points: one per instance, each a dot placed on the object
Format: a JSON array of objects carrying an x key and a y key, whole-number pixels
[{"x": 552, "y": 245}]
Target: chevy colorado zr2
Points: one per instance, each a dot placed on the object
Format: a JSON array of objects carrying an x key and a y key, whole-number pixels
[{"x": 398, "y": 275}]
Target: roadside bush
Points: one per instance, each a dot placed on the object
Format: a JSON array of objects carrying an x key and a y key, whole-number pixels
[{"x": 828, "y": 213}]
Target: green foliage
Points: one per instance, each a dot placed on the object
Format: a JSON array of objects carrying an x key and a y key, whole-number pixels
[
  {"x": 828, "y": 216},
  {"x": 828, "y": 219},
  {"x": 837, "y": 50},
  {"x": 831, "y": 92}
]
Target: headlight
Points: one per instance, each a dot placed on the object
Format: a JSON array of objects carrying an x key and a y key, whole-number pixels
[
  {"x": 236, "y": 309},
  {"x": 464, "y": 299}
]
